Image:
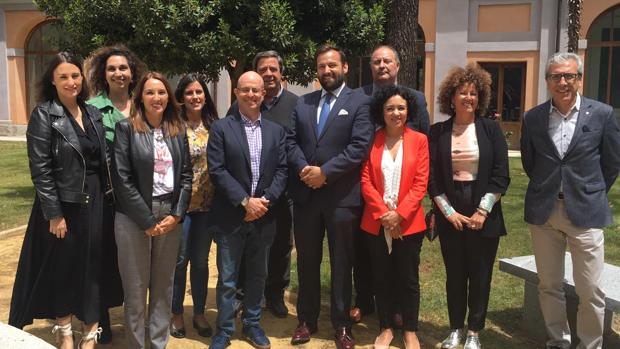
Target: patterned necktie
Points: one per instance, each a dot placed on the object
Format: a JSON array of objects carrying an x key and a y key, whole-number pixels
[{"x": 324, "y": 114}]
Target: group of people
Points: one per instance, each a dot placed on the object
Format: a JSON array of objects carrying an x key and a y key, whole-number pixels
[{"x": 137, "y": 182}]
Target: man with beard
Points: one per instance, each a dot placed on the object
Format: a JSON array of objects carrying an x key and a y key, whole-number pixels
[
  {"x": 327, "y": 141},
  {"x": 277, "y": 106}
]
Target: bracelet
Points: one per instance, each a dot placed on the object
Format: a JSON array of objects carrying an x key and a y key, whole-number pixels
[{"x": 483, "y": 212}]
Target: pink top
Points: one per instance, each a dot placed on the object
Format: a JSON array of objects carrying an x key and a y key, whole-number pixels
[{"x": 465, "y": 153}]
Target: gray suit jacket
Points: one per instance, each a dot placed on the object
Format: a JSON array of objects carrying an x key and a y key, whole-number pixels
[{"x": 587, "y": 171}]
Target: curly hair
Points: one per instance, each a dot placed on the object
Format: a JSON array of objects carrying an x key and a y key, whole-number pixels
[
  {"x": 457, "y": 77},
  {"x": 381, "y": 97},
  {"x": 209, "y": 112},
  {"x": 97, "y": 63},
  {"x": 46, "y": 91}
]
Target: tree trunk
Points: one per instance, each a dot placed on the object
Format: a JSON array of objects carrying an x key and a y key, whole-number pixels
[
  {"x": 401, "y": 29},
  {"x": 574, "y": 24}
]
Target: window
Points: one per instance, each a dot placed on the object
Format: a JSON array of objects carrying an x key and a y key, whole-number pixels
[
  {"x": 507, "y": 90},
  {"x": 41, "y": 46},
  {"x": 602, "y": 68}
]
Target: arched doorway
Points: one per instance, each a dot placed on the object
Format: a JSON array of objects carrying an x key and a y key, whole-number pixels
[
  {"x": 42, "y": 44},
  {"x": 602, "y": 61}
]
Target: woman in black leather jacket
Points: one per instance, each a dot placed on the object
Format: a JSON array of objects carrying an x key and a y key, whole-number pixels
[
  {"x": 153, "y": 180},
  {"x": 58, "y": 272}
]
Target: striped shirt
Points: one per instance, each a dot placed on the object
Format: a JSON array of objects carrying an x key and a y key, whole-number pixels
[{"x": 254, "y": 136}]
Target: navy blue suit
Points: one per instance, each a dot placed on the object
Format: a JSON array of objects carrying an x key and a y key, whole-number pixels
[
  {"x": 336, "y": 207},
  {"x": 228, "y": 158}
]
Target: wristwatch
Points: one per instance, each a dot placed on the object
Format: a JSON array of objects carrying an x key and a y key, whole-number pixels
[{"x": 245, "y": 200}]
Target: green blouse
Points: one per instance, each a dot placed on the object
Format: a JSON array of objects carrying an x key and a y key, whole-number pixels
[{"x": 111, "y": 115}]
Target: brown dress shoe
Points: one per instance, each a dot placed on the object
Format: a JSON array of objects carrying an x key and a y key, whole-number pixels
[
  {"x": 302, "y": 333},
  {"x": 355, "y": 314},
  {"x": 344, "y": 338}
]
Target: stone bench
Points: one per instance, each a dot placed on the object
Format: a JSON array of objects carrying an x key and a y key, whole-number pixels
[
  {"x": 524, "y": 267},
  {"x": 13, "y": 338}
]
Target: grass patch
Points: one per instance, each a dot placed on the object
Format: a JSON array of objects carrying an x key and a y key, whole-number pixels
[
  {"x": 16, "y": 190},
  {"x": 506, "y": 302}
]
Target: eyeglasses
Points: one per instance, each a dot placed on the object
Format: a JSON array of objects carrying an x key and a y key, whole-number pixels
[
  {"x": 246, "y": 90},
  {"x": 568, "y": 77}
]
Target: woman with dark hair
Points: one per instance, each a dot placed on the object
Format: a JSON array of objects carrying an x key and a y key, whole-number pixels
[
  {"x": 393, "y": 185},
  {"x": 469, "y": 174},
  {"x": 113, "y": 73},
  {"x": 198, "y": 112},
  {"x": 153, "y": 180},
  {"x": 58, "y": 272}
]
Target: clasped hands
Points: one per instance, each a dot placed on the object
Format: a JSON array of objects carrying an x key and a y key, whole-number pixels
[
  {"x": 391, "y": 223},
  {"x": 458, "y": 221},
  {"x": 164, "y": 226},
  {"x": 312, "y": 176},
  {"x": 255, "y": 208}
]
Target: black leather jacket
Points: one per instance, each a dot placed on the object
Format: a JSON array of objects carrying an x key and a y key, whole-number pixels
[
  {"x": 57, "y": 166},
  {"x": 132, "y": 173}
]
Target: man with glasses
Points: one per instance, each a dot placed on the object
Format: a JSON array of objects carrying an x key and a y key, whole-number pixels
[
  {"x": 246, "y": 156},
  {"x": 277, "y": 106},
  {"x": 570, "y": 149}
]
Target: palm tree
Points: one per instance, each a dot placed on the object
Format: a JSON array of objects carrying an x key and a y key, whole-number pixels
[{"x": 574, "y": 24}]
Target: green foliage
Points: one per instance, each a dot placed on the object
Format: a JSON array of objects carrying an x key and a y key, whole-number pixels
[{"x": 198, "y": 35}]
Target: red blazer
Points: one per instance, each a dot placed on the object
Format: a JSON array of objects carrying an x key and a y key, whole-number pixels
[{"x": 413, "y": 182}]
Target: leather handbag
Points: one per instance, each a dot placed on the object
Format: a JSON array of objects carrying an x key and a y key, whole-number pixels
[{"x": 429, "y": 218}]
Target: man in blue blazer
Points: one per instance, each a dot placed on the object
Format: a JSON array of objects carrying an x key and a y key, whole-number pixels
[
  {"x": 328, "y": 139},
  {"x": 384, "y": 67},
  {"x": 570, "y": 149},
  {"x": 246, "y": 155}
]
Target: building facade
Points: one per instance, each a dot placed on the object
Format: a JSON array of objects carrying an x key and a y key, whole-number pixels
[{"x": 512, "y": 39}]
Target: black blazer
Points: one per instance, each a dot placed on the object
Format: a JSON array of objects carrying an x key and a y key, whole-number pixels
[
  {"x": 339, "y": 150},
  {"x": 493, "y": 176},
  {"x": 133, "y": 173},
  {"x": 418, "y": 121},
  {"x": 228, "y": 157},
  {"x": 55, "y": 156}
]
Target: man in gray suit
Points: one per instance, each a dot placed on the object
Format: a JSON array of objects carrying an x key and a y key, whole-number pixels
[{"x": 570, "y": 148}]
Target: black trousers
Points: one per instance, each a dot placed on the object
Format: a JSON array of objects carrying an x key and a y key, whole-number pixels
[
  {"x": 312, "y": 220},
  {"x": 469, "y": 259},
  {"x": 396, "y": 279},
  {"x": 362, "y": 274},
  {"x": 279, "y": 265}
]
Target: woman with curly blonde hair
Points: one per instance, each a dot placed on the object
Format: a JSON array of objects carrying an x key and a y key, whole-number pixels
[{"x": 468, "y": 176}]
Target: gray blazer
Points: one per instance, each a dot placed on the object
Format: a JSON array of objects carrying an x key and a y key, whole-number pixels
[{"x": 587, "y": 171}]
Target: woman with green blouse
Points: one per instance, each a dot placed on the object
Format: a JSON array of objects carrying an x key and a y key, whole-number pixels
[{"x": 113, "y": 72}]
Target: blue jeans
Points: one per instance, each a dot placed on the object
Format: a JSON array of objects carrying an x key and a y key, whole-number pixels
[
  {"x": 194, "y": 247},
  {"x": 252, "y": 241}
]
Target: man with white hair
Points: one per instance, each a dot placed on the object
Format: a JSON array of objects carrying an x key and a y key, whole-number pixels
[{"x": 570, "y": 148}]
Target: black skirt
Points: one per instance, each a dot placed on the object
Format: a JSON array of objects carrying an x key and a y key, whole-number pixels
[{"x": 57, "y": 277}]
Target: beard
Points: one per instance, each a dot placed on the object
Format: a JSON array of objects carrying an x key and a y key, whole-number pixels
[{"x": 331, "y": 84}]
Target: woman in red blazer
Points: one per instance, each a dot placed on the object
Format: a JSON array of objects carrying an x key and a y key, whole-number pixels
[{"x": 394, "y": 180}]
